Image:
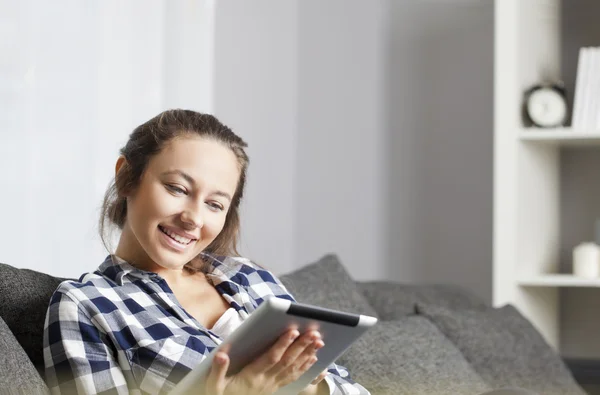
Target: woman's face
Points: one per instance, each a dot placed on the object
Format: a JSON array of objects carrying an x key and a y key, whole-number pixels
[{"x": 180, "y": 205}]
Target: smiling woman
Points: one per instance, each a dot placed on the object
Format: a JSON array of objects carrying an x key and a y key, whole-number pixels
[
  {"x": 175, "y": 286},
  {"x": 180, "y": 205},
  {"x": 188, "y": 155}
]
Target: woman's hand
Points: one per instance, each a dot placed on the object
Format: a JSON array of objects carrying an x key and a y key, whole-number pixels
[
  {"x": 317, "y": 386},
  {"x": 290, "y": 357}
]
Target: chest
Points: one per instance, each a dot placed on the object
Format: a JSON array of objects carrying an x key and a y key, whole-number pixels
[{"x": 203, "y": 302}]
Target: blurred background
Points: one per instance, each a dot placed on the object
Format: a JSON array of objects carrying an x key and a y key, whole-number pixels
[
  {"x": 370, "y": 126},
  {"x": 369, "y": 123}
]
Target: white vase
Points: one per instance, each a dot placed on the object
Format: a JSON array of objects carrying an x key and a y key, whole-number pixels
[{"x": 586, "y": 260}]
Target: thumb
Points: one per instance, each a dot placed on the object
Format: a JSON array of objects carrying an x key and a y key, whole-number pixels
[
  {"x": 215, "y": 383},
  {"x": 319, "y": 378}
]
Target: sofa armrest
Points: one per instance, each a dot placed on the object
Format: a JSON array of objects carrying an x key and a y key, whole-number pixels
[{"x": 16, "y": 370}]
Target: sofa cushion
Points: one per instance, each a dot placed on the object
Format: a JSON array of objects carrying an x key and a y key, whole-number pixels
[
  {"x": 25, "y": 296},
  {"x": 326, "y": 283},
  {"x": 410, "y": 356},
  {"x": 395, "y": 300},
  {"x": 504, "y": 348},
  {"x": 16, "y": 370}
]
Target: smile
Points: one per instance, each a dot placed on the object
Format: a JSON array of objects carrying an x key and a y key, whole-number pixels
[{"x": 179, "y": 239}]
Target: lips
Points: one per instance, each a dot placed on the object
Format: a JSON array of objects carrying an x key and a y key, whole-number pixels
[{"x": 177, "y": 236}]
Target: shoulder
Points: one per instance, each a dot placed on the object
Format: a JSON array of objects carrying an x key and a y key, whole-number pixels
[
  {"x": 257, "y": 281},
  {"x": 90, "y": 287},
  {"x": 239, "y": 269}
]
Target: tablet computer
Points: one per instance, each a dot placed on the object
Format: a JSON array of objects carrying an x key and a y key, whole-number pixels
[{"x": 267, "y": 323}]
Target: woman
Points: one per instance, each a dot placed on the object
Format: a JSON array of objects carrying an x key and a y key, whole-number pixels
[{"x": 175, "y": 286}]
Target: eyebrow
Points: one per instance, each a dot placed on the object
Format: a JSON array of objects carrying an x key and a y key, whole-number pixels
[{"x": 189, "y": 179}]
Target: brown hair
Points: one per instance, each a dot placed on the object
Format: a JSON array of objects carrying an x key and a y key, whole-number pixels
[{"x": 147, "y": 140}]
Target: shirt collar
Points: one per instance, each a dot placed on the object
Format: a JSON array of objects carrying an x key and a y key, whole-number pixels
[
  {"x": 119, "y": 270},
  {"x": 217, "y": 270}
]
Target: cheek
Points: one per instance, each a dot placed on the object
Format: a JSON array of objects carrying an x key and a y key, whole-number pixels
[
  {"x": 214, "y": 225},
  {"x": 153, "y": 205},
  {"x": 162, "y": 203}
]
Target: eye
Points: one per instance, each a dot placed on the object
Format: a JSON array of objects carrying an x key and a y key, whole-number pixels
[
  {"x": 215, "y": 206},
  {"x": 176, "y": 189}
]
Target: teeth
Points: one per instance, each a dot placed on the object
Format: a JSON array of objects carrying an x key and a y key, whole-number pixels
[{"x": 181, "y": 239}]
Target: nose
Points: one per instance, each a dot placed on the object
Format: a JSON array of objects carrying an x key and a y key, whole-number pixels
[{"x": 192, "y": 218}]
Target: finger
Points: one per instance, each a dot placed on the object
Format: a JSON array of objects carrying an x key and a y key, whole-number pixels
[
  {"x": 307, "y": 364},
  {"x": 298, "y": 353},
  {"x": 320, "y": 377},
  {"x": 302, "y": 364},
  {"x": 309, "y": 352},
  {"x": 290, "y": 375},
  {"x": 215, "y": 383},
  {"x": 273, "y": 355}
]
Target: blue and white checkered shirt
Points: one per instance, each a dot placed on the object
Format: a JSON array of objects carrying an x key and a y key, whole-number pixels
[{"x": 120, "y": 329}]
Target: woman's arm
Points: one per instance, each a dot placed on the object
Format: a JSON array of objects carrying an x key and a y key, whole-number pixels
[{"x": 76, "y": 356}]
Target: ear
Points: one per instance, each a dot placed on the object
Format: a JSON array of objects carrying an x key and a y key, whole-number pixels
[{"x": 119, "y": 164}]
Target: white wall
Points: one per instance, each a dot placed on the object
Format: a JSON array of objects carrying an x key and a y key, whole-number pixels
[
  {"x": 289, "y": 81},
  {"x": 255, "y": 94},
  {"x": 341, "y": 165},
  {"x": 440, "y": 104},
  {"x": 370, "y": 131},
  {"x": 369, "y": 125}
]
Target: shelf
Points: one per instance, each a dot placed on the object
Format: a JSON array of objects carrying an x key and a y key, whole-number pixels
[
  {"x": 561, "y": 136},
  {"x": 558, "y": 280}
]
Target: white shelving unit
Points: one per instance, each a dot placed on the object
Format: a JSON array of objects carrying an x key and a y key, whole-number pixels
[
  {"x": 563, "y": 137},
  {"x": 527, "y": 167},
  {"x": 557, "y": 280}
]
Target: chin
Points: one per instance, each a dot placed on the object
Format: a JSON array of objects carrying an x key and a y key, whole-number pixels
[
  {"x": 170, "y": 258},
  {"x": 167, "y": 259},
  {"x": 177, "y": 261}
]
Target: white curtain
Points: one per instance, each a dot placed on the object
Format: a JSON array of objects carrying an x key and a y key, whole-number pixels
[{"x": 75, "y": 78}]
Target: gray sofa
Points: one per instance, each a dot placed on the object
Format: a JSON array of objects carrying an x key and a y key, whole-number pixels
[{"x": 431, "y": 339}]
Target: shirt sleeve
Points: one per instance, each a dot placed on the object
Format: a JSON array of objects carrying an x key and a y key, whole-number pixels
[
  {"x": 338, "y": 377},
  {"x": 340, "y": 383},
  {"x": 76, "y": 355}
]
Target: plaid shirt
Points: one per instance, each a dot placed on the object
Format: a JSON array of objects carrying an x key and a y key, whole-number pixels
[{"x": 120, "y": 329}]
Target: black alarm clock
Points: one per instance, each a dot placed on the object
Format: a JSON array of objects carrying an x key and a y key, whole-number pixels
[{"x": 545, "y": 105}]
